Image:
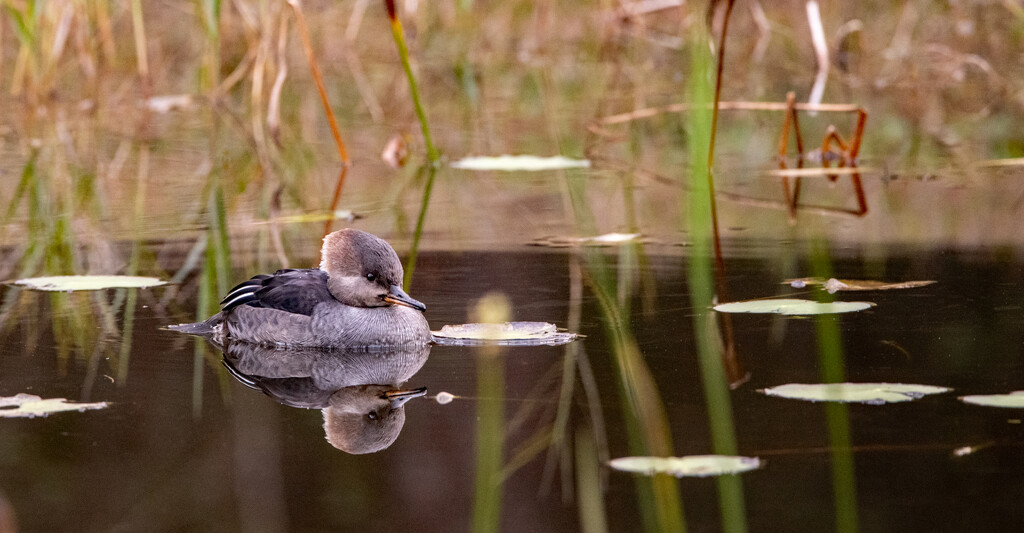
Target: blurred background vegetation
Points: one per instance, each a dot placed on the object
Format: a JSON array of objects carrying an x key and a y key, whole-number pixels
[{"x": 128, "y": 121}]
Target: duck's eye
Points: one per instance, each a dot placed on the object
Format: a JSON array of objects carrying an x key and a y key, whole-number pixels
[
  {"x": 372, "y": 276},
  {"x": 372, "y": 415}
]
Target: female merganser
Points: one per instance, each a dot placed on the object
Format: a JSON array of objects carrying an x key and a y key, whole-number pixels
[{"x": 355, "y": 299}]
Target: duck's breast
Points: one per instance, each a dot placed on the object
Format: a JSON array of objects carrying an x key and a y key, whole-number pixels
[{"x": 336, "y": 324}]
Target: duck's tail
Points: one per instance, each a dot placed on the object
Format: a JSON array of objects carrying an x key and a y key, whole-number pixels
[{"x": 207, "y": 327}]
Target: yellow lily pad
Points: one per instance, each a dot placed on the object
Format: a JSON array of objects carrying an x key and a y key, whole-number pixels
[
  {"x": 869, "y": 393},
  {"x": 88, "y": 283},
  {"x": 689, "y": 466},
  {"x": 1013, "y": 400},
  {"x": 519, "y": 163},
  {"x": 791, "y": 306},
  {"x": 30, "y": 406}
]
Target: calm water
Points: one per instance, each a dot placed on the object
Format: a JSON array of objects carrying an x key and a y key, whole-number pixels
[
  {"x": 96, "y": 178},
  {"x": 187, "y": 447}
]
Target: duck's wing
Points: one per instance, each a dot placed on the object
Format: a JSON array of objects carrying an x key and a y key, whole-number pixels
[{"x": 295, "y": 290}]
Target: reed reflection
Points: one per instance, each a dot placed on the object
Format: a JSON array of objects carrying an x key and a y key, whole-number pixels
[{"x": 360, "y": 392}]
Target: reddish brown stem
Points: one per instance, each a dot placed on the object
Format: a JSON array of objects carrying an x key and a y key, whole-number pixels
[{"x": 307, "y": 45}]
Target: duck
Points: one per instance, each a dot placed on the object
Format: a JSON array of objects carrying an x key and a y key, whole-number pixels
[{"x": 354, "y": 299}]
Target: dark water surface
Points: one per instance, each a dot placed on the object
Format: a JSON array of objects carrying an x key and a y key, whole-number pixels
[{"x": 184, "y": 446}]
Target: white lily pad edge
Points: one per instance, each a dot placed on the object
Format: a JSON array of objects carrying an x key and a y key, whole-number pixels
[
  {"x": 88, "y": 283},
  {"x": 519, "y": 163},
  {"x": 792, "y": 306},
  {"x": 687, "y": 466},
  {"x": 23, "y": 405},
  {"x": 869, "y": 393},
  {"x": 1013, "y": 400},
  {"x": 510, "y": 333}
]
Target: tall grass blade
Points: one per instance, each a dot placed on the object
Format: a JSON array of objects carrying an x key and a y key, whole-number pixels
[
  {"x": 837, "y": 415},
  {"x": 433, "y": 156},
  {"x": 490, "y": 438},
  {"x": 702, "y": 223},
  {"x": 421, "y": 220}
]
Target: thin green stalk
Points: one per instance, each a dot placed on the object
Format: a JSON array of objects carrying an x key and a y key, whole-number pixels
[
  {"x": 647, "y": 427},
  {"x": 126, "y": 337},
  {"x": 133, "y": 268},
  {"x": 410, "y": 266},
  {"x": 490, "y": 437},
  {"x": 702, "y": 224},
  {"x": 433, "y": 156},
  {"x": 837, "y": 416},
  {"x": 589, "y": 499}
]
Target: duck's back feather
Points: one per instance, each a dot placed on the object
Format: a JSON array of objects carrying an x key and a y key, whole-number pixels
[{"x": 294, "y": 290}]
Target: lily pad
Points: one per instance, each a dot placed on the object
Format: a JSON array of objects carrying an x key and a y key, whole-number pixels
[
  {"x": 608, "y": 239},
  {"x": 791, "y": 306},
  {"x": 30, "y": 406},
  {"x": 88, "y": 283},
  {"x": 817, "y": 172},
  {"x": 833, "y": 285},
  {"x": 869, "y": 393},
  {"x": 1014, "y": 400},
  {"x": 519, "y": 163},
  {"x": 506, "y": 333},
  {"x": 689, "y": 466},
  {"x": 340, "y": 214}
]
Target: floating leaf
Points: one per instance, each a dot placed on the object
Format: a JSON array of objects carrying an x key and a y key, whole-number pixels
[
  {"x": 815, "y": 172},
  {"x": 833, "y": 285},
  {"x": 1014, "y": 400},
  {"x": 608, "y": 239},
  {"x": 791, "y": 306},
  {"x": 690, "y": 466},
  {"x": 88, "y": 283},
  {"x": 519, "y": 162},
  {"x": 870, "y": 393},
  {"x": 341, "y": 214},
  {"x": 509, "y": 333},
  {"x": 30, "y": 406}
]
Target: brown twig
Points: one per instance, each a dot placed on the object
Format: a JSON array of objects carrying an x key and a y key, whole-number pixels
[{"x": 307, "y": 45}]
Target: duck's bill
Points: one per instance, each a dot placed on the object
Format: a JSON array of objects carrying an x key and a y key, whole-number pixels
[
  {"x": 396, "y": 296},
  {"x": 399, "y": 397}
]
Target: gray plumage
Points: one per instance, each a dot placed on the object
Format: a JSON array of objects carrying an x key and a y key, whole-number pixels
[{"x": 355, "y": 299}]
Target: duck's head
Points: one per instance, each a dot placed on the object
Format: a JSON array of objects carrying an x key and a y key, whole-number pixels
[{"x": 364, "y": 271}]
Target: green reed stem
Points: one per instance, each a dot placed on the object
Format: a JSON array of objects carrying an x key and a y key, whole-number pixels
[
  {"x": 433, "y": 156},
  {"x": 490, "y": 437},
  {"x": 410, "y": 266},
  {"x": 589, "y": 497},
  {"x": 702, "y": 223},
  {"x": 837, "y": 416}
]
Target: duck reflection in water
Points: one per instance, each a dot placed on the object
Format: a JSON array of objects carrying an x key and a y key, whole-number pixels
[{"x": 359, "y": 391}]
